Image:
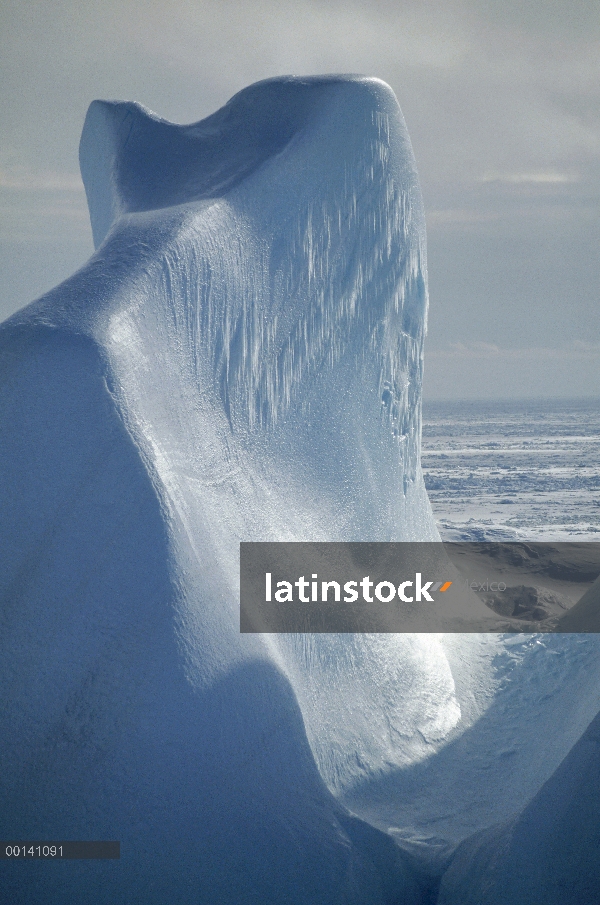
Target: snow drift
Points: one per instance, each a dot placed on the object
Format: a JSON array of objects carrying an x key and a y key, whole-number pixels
[
  {"x": 548, "y": 853},
  {"x": 241, "y": 359}
]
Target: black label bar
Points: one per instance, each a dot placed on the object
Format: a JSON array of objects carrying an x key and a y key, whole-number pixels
[{"x": 419, "y": 587}]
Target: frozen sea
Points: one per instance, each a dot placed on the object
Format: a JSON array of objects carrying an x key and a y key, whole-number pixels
[{"x": 514, "y": 470}]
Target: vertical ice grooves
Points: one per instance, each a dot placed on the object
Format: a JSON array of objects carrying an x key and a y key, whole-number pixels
[{"x": 346, "y": 274}]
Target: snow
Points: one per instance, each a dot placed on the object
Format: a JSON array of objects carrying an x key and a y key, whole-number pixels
[
  {"x": 548, "y": 853},
  {"x": 241, "y": 359}
]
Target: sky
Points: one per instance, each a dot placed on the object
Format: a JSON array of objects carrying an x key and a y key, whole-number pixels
[{"x": 501, "y": 100}]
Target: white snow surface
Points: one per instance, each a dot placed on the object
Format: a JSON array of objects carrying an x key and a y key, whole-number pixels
[{"x": 241, "y": 359}]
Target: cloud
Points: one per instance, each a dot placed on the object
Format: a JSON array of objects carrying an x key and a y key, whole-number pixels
[
  {"x": 585, "y": 348},
  {"x": 457, "y": 216},
  {"x": 301, "y": 36},
  {"x": 551, "y": 177},
  {"x": 573, "y": 351},
  {"x": 22, "y": 178},
  {"x": 487, "y": 371}
]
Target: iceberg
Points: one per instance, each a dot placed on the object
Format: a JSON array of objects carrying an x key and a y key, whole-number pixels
[{"x": 241, "y": 359}]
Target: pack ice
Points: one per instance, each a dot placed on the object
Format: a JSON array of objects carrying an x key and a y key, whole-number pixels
[{"x": 241, "y": 359}]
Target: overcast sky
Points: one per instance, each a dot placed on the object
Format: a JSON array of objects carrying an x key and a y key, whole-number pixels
[{"x": 502, "y": 102}]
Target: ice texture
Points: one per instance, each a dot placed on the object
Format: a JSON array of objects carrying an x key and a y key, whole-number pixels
[
  {"x": 241, "y": 359},
  {"x": 548, "y": 853}
]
